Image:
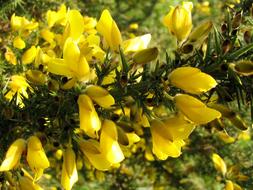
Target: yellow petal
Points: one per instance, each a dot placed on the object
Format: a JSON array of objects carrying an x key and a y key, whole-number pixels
[
  {"x": 18, "y": 43},
  {"x": 178, "y": 127},
  {"x": 136, "y": 44},
  {"x": 25, "y": 183},
  {"x": 229, "y": 185},
  {"x": 109, "y": 143},
  {"x": 91, "y": 149},
  {"x": 195, "y": 110},
  {"x": 100, "y": 96},
  {"x": 16, "y": 22},
  {"x": 10, "y": 56},
  {"x": 219, "y": 164},
  {"x": 47, "y": 35},
  {"x": 163, "y": 146},
  {"x": 89, "y": 120},
  {"x": 191, "y": 80},
  {"x": 69, "y": 84},
  {"x": 83, "y": 69},
  {"x": 69, "y": 172},
  {"x": 109, "y": 30},
  {"x": 13, "y": 155},
  {"x": 76, "y": 22},
  {"x": 29, "y": 55},
  {"x": 36, "y": 77},
  {"x": 36, "y": 157},
  {"x": 71, "y": 54},
  {"x": 59, "y": 67},
  {"x": 225, "y": 137}
]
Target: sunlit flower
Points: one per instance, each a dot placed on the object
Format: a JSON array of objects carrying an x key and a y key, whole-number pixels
[
  {"x": 91, "y": 149},
  {"x": 58, "y": 17},
  {"x": 195, "y": 110},
  {"x": 13, "y": 155},
  {"x": 29, "y": 55},
  {"x": 136, "y": 44},
  {"x": 18, "y": 42},
  {"x": 26, "y": 183},
  {"x": 89, "y": 120},
  {"x": 163, "y": 143},
  {"x": 18, "y": 86},
  {"x": 21, "y": 23},
  {"x": 191, "y": 80},
  {"x": 109, "y": 143},
  {"x": 36, "y": 157},
  {"x": 179, "y": 21},
  {"x": 69, "y": 174},
  {"x": 100, "y": 95},
  {"x": 73, "y": 63},
  {"x": 109, "y": 30},
  {"x": 10, "y": 56},
  {"x": 219, "y": 164}
]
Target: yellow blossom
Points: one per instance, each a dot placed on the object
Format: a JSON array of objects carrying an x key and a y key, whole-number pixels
[
  {"x": 25, "y": 183},
  {"x": 29, "y": 55},
  {"x": 136, "y": 44},
  {"x": 69, "y": 174},
  {"x": 109, "y": 30},
  {"x": 73, "y": 63},
  {"x": 163, "y": 144},
  {"x": 13, "y": 155},
  {"x": 195, "y": 110},
  {"x": 100, "y": 95},
  {"x": 89, "y": 120},
  {"x": 18, "y": 42},
  {"x": 19, "y": 86},
  {"x": 58, "y": 17},
  {"x": 179, "y": 21},
  {"x": 21, "y": 23},
  {"x": 36, "y": 157},
  {"x": 91, "y": 149},
  {"x": 10, "y": 56},
  {"x": 191, "y": 80},
  {"x": 109, "y": 143},
  {"x": 219, "y": 164}
]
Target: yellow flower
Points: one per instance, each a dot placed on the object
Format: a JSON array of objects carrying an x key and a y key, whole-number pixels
[
  {"x": 58, "y": 17},
  {"x": 195, "y": 110},
  {"x": 47, "y": 35},
  {"x": 21, "y": 23},
  {"x": 219, "y": 164},
  {"x": 36, "y": 157},
  {"x": 191, "y": 80},
  {"x": 178, "y": 127},
  {"x": 69, "y": 174},
  {"x": 89, "y": 25},
  {"x": 89, "y": 120},
  {"x": 109, "y": 30},
  {"x": 36, "y": 77},
  {"x": 100, "y": 95},
  {"x": 229, "y": 185},
  {"x": 76, "y": 24},
  {"x": 109, "y": 143},
  {"x": 25, "y": 183},
  {"x": 163, "y": 144},
  {"x": 91, "y": 149},
  {"x": 225, "y": 137},
  {"x": 136, "y": 44},
  {"x": 179, "y": 21},
  {"x": 73, "y": 63},
  {"x": 10, "y": 56},
  {"x": 18, "y": 43},
  {"x": 19, "y": 86},
  {"x": 29, "y": 55},
  {"x": 200, "y": 33},
  {"x": 13, "y": 155}
]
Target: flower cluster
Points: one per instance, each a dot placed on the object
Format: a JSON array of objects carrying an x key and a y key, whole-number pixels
[{"x": 75, "y": 54}]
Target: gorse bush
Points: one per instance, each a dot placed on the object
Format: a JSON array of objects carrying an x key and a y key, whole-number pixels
[{"x": 78, "y": 98}]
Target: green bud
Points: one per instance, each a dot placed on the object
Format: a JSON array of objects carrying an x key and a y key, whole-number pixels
[{"x": 145, "y": 56}]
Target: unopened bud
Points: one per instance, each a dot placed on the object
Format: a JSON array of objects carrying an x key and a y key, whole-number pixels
[
  {"x": 145, "y": 56},
  {"x": 247, "y": 36},
  {"x": 244, "y": 67},
  {"x": 226, "y": 46},
  {"x": 237, "y": 20}
]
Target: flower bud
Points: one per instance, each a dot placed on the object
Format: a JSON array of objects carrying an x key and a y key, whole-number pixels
[
  {"x": 179, "y": 21},
  {"x": 13, "y": 155}
]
